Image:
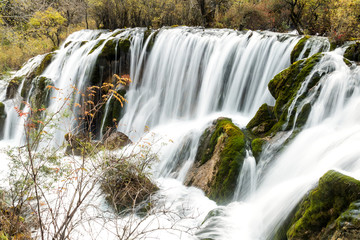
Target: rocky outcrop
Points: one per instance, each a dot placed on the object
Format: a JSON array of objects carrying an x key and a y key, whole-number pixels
[
  {"x": 219, "y": 158},
  {"x": 13, "y": 87},
  {"x": 353, "y": 52},
  {"x": 2, "y": 119},
  {"x": 330, "y": 211},
  {"x": 295, "y": 53},
  {"x": 269, "y": 121},
  {"x": 116, "y": 140},
  {"x": 28, "y": 80}
]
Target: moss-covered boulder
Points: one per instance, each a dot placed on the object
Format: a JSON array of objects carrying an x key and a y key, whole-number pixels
[
  {"x": 353, "y": 52},
  {"x": 12, "y": 87},
  {"x": 218, "y": 164},
  {"x": 285, "y": 86},
  {"x": 347, "y": 226},
  {"x": 323, "y": 206},
  {"x": 2, "y": 119},
  {"x": 295, "y": 53},
  {"x": 40, "y": 92},
  {"x": 263, "y": 120},
  {"x": 147, "y": 34},
  {"x": 36, "y": 73}
]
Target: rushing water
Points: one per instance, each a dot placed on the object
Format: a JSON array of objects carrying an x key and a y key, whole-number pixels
[{"x": 190, "y": 77}]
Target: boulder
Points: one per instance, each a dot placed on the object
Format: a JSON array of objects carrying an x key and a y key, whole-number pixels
[
  {"x": 116, "y": 140},
  {"x": 353, "y": 52},
  {"x": 327, "y": 212},
  {"x": 12, "y": 87},
  {"x": 2, "y": 119},
  {"x": 219, "y": 158}
]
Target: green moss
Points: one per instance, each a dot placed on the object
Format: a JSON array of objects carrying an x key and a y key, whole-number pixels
[
  {"x": 285, "y": 85},
  {"x": 353, "y": 52},
  {"x": 350, "y": 217},
  {"x": 2, "y": 119},
  {"x": 2, "y": 109},
  {"x": 298, "y": 49},
  {"x": 147, "y": 34},
  {"x": 13, "y": 87},
  {"x": 40, "y": 93},
  {"x": 323, "y": 205},
  {"x": 44, "y": 64},
  {"x": 231, "y": 159},
  {"x": 97, "y": 46},
  {"x": 117, "y": 33},
  {"x": 263, "y": 120},
  {"x": 257, "y": 147},
  {"x": 67, "y": 44},
  {"x": 303, "y": 115}
]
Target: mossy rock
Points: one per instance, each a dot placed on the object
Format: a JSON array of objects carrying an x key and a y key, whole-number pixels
[
  {"x": 2, "y": 119},
  {"x": 44, "y": 63},
  {"x": 40, "y": 93},
  {"x": 231, "y": 160},
  {"x": 323, "y": 205},
  {"x": 285, "y": 85},
  {"x": 257, "y": 147},
  {"x": 12, "y": 87},
  {"x": 147, "y": 34},
  {"x": 353, "y": 52},
  {"x": 219, "y": 159},
  {"x": 37, "y": 72},
  {"x": 295, "y": 53},
  {"x": 67, "y": 44},
  {"x": 205, "y": 150},
  {"x": 263, "y": 120},
  {"x": 97, "y": 45}
]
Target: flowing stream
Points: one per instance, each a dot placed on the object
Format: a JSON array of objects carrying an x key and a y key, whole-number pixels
[{"x": 190, "y": 77}]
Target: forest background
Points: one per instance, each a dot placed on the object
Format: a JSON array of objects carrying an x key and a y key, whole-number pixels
[{"x": 32, "y": 27}]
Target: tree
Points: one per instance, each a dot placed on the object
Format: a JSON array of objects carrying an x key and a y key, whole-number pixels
[{"x": 49, "y": 24}]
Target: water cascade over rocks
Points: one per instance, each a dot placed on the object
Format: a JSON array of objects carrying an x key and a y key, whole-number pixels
[{"x": 255, "y": 119}]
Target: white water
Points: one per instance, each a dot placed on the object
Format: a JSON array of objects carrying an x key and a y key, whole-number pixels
[
  {"x": 329, "y": 142},
  {"x": 191, "y": 77},
  {"x": 192, "y": 73}
]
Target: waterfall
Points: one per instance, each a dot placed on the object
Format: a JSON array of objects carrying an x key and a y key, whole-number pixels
[
  {"x": 191, "y": 73},
  {"x": 182, "y": 79},
  {"x": 329, "y": 141}
]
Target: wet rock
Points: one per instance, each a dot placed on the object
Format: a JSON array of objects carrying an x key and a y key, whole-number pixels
[
  {"x": 12, "y": 87},
  {"x": 2, "y": 119},
  {"x": 323, "y": 212},
  {"x": 220, "y": 156},
  {"x": 353, "y": 52}
]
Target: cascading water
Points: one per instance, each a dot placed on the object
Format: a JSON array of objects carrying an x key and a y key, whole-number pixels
[
  {"x": 191, "y": 73},
  {"x": 333, "y": 131},
  {"x": 190, "y": 77}
]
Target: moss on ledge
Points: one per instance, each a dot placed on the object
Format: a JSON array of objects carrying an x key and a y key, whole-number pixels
[
  {"x": 257, "y": 147},
  {"x": 286, "y": 84},
  {"x": 298, "y": 49},
  {"x": 263, "y": 120},
  {"x": 324, "y": 205}
]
